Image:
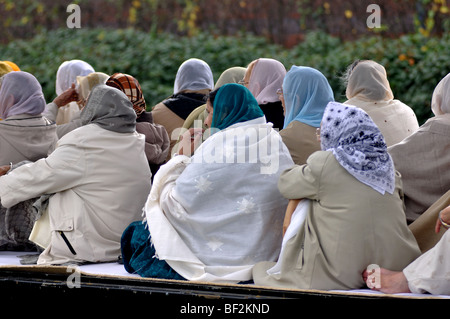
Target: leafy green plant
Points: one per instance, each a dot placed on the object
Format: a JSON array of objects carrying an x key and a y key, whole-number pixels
[{"x": 414, "y": 63}]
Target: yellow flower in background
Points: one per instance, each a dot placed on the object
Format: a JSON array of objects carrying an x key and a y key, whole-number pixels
[
  {"x": 444, "y": 9},
  {"x": 348, "y": 14},
  {"x": 402, "y": 57},
  {"x": 326, "y": 6}
]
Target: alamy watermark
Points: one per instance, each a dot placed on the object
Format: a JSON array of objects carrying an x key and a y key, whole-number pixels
[
  {"x": 74, "y": 279},
  {"x": 373, "y": 280},
  {"x": 74, "y": 19}
]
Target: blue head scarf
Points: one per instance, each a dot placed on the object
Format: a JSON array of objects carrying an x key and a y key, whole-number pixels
[
  {"x": 234, "y": 103},
  {"x": 306, "y": 93}
]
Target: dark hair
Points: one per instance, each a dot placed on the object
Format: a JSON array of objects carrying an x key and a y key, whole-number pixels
[{"x": 211, "y": 96}]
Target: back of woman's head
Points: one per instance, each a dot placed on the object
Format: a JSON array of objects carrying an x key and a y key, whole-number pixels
[
  {"x": 20, "y": 93},
  {"x": 440, "y": 102},
  {"x": 233, "y": 103},
  {"x": 266, "y": 79},
  {"x": 368, "y": 80},
  {"x": 306, "y": 93},
  {"x": 193, "y": 75}
]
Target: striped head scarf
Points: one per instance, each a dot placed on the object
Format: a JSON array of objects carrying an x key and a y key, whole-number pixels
[{"x": 132, "y": 89}]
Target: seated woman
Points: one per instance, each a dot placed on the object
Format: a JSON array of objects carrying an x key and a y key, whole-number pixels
[
  {"x": 264, "y": 77},
  {"x": 98, "y": 179},
  {"x": 156, "y": 137},
  {"x": 368, "y": 88},
  {"x": 230, "y": 75},
  {"x": 306, "y": 92},
  {"x": 80, "y": 93},
  {"x": 212, "y": 216},
  {"x": 25, "y": 135},
  {"x": 351, "y": 205},
  {"x": 66, "y": 76},
  {"x": 424, "y": 156},
  {"x": 427, "y": 274},
  {"x": 194, "y": 80}
]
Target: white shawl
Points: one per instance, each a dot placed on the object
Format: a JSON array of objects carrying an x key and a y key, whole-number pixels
[{"x": 213, "y": 216}]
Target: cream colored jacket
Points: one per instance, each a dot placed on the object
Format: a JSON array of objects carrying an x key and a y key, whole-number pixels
[
  {"x": 349, "y": 226},
  {"x": 100, "y": 180}
]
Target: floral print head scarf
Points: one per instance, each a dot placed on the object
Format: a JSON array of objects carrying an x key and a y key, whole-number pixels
[{"x": 358, "y": 146}]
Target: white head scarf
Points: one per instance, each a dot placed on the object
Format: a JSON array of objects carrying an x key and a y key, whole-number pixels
[
  {"x": 368, "y": 80},
  {"x": 440, "y": 102},
  {"x": 266, "y": 79},
  {"x": 358, "y": 146},
  {"x": 20, "y": 93},
  {"x": 67, "y": 74},
  {"x": 87, "y": 82},
  {"x": 194, "y": 75}
]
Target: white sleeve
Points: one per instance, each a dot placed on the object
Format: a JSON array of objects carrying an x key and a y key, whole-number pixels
[
  {"x": 51, "y": 111},
  {"x": 61, "y": 170}
]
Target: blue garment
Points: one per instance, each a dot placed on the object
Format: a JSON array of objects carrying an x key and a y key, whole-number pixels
[
  {"x": 139, "y": 255},
  {"x": 306, "y": 93},
  {"x": 234, "y": 103}
]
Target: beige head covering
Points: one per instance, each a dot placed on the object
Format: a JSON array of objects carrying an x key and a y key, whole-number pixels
[
  {"x": 86, "y": 83},
  {"x": 440, "y": 102},
  {"x": 368, "y": 80}
]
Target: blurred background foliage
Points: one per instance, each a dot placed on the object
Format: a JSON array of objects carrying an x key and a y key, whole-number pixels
[{"x": 151, "y": 38}]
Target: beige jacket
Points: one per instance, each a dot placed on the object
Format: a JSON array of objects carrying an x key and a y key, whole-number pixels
[
  {"x": 349, "y": 226},
  {"x": 100, "y": 180},
  {"x": 395, "y": 119},
  {"x": 173, "y": 123},
  {"x": 423, "y": 160},
  {"x": 25, "y": 137},
  {"x": 301, "y": 140}
]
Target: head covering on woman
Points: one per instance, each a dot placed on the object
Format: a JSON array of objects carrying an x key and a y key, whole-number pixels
[
  {"x": 368, "y": 80},
  {"x": 266, "y": 79},
  {"x": 358, "y": 146},
  {"x": 20, "y": 93},
  {"x": 193, "y": 75},
  {"x": 440, "y": 101},
  {"x": 306, "y": 93},
  {"x": 88, "y": 82},
  {"x": 131, "y": 87},
  {"x": 230, "y": 75},
  {"x": 5, "y": 68},
  {"x": 110, "y": 109},
  {"x": 14, "y": 66},
  {"x": 67, "y": 74},
  {"x": 233, "y": 104}
]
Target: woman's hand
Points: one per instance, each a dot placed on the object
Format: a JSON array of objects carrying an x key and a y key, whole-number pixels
[
  {"x": 443, "y": 219},
  {"x": 292, "y": 205},
  {"x": 66, "y": 97},
  {"x": 4, "y": 169},
  {"x": 190, "y": 140}
]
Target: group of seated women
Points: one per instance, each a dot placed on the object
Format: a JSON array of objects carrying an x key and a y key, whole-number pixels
[{"x": 259, "y": 177}]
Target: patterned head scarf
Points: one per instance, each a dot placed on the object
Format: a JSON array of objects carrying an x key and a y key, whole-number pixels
[
  {"x": 110, "y": 109},
  {"x": 20, "y": 93},
  {"x": 266, "y": 79},
  {"x": 358, "y": 146},
  {"x": 306, "y": 93},
  {"x": 86, "y": 83},
  {"x": 194, "y": 75},
  {"x": 234, "y": 104},
  {"x": 5, "y": 68},
  {"x": 131, "y": 87},
  {"x": 12, "y": 65},
  {"x": 67, "y": 74},
  {"x": 440, "y": 102},
  {"x": 368, "y": 80}
]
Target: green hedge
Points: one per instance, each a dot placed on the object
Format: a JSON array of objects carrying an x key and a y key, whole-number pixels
[{"x": 415, "y": 64}]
